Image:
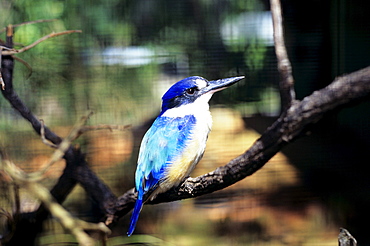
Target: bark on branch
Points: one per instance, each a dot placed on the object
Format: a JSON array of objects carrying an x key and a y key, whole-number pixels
[
  {"x": 290, "y": 126},
  {"x": 286, "y": 85},
  {"x": 296, "y": 116}
]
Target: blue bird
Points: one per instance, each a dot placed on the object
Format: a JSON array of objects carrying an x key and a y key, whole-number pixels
[{"x": 176, "y": 141}]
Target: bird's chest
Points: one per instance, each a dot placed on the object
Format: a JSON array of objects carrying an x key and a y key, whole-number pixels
[
  {"x": 201, "y": 130},
  {"x": 191, "y": 152}
]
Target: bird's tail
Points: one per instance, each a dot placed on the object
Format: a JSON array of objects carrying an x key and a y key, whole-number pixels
[{"x": 135, "y": 215}]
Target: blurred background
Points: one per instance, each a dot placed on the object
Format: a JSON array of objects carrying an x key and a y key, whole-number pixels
[{"x": 131, "y": 51}]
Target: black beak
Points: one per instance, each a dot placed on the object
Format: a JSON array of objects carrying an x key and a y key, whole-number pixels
[{"x": 220, "y": 84}]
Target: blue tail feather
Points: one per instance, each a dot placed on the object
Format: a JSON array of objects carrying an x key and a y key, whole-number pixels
[{"x": 135, "y": 216}]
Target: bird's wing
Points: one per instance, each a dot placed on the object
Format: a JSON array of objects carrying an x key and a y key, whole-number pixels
[{"x": 161, "y": 144}]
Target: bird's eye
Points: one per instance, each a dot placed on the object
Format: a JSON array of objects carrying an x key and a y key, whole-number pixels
[{"x": 190, "y": 91}]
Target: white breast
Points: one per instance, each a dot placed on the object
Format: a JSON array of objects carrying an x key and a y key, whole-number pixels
[{"x": 182, "y": 167}]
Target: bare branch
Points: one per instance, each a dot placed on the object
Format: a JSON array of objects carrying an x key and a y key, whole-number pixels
[
  {"x": 62, "y": 147},
  {"x": 43, "y": 138},
  {"x": 286, "y": 85},
  {"x": 51, "y": 35},
  {"x": 28, "y": 66},
  {"x": 104, "y": 127},
  {"x": 287, "y": 128},
  {"x": 27, "y": 23},
  {"x": 2, "y": 84}
]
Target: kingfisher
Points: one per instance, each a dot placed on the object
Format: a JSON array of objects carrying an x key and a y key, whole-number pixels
[{"x": 176, "y": 141}]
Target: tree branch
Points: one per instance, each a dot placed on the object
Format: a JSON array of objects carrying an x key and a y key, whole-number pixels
[
  {"x": 286, "y": 129},
  {"x": 286, "y": 85},
  {"x": 27, "y": 23},
  {"x": 61, "y": 148},
  {"x": 293, "y": 122},
  {"x": 76, "y": 171},
  {"x": 75, "y": 226},
  {"x": 74, "y": 158},
  {"x": 51, "y": 35}
]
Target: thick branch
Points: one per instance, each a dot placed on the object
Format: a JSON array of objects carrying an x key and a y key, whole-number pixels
[
  {"x": 293, "y": 122},
  {"x": 18, "y": 104},
  {"x": 287, "y": 128}
]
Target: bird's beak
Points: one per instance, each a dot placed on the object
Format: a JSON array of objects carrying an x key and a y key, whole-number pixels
[{"x": 220, "y": 84}]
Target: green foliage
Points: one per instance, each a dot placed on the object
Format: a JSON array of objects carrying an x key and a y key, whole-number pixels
[
  {"x": 64, "y": 71},
  {"x": 255, "y": 55}
]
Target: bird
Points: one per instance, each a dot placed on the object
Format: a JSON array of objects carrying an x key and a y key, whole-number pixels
[{"x": 176, "y": 141}]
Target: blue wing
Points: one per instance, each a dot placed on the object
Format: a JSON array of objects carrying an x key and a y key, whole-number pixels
[
  {"x": 164, "y": 141},
  {"x": 161, "y": 144}
]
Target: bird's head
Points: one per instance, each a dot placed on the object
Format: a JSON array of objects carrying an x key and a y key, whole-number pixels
[{"x": 194, "y": 90}]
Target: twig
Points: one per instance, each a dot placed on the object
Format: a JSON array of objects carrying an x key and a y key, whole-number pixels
[
  {"x": 62, "y": 148},
  {"x": 43, "y": 138},
  {"x": 2, "y": 84},
  {"x": 75, "y": 226},
  {"x": 287, "y": 93},
  {"x": 51, "y": 35},
  {"x": 25, "y": 64},
  {"x": 103, "y": 127},
  {"x": 27, "y": 23}
]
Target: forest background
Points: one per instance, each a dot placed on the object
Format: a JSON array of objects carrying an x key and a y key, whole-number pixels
[{"x": 130, "y": 52}]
